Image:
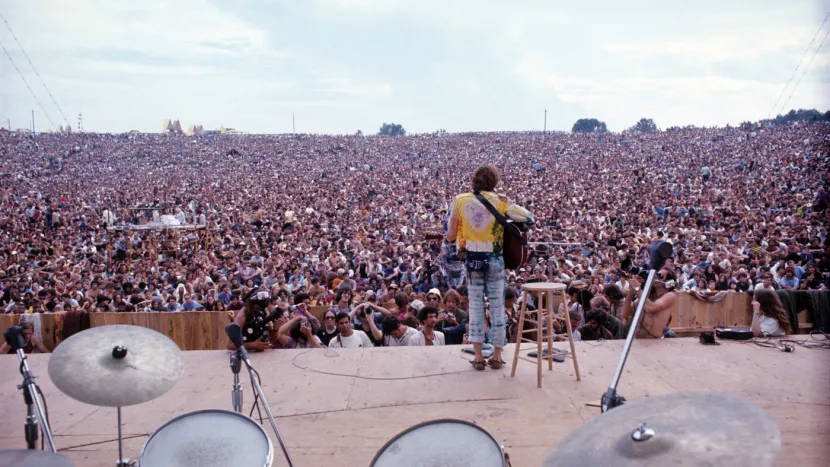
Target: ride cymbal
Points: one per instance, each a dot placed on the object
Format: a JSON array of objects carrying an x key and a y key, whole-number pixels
[
  {"x": 686, "y": 429},
  {"x": 116, "y": 366}
]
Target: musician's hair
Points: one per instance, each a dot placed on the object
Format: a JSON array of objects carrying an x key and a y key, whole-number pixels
[{"x": 485, "y": 178}]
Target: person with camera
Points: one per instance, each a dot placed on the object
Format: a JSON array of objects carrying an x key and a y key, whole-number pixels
[
  {"x": 252, "y": 319},
  {"x": 296, "y": 333},
  {"x": 366, "y": 316}
]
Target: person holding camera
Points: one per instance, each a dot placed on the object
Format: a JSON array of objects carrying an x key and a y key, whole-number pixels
[
  {"x": 366, "y": 316},
  {"x": 296, "y": 333}
]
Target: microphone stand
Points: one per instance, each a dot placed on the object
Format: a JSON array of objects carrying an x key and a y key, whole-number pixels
[
  {"x": 236, "y": 393},
  {"x": 35, "y": 415},
  {"x": 261, "y": 394},
  {"x": 611, "y": 399},
  {"x": 241, "y": 355}
]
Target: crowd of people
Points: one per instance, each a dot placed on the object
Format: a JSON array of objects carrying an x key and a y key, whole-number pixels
[{"x": 357, "y": 223}]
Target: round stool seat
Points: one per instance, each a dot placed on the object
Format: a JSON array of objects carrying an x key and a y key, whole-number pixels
[{"x": 544, "y": 287}]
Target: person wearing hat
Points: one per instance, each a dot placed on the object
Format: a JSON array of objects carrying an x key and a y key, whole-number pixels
[{"x": 478, "y": 237}]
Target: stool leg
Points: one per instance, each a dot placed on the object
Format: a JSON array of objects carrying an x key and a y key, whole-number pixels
[
  {"x": 549, "y": 329},
  {"x": 519, "y": 334},
  {"x": 539, "y": 340},
  {"x": 571, "y": 338}
]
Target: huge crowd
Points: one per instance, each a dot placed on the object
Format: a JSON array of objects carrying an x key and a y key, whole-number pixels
[{"x": 356, "y": 223}]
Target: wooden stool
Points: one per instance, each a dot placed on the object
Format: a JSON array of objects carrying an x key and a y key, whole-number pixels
[{"x": 545, "y": 314}]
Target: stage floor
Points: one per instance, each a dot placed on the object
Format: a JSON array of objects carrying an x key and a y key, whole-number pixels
[{"x": 331, "y": 420}]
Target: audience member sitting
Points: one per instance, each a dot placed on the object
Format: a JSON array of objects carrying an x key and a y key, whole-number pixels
[{"x": 768, "y": 317}]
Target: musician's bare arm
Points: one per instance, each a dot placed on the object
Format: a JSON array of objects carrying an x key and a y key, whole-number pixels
[{"x": 452, "y": 224}]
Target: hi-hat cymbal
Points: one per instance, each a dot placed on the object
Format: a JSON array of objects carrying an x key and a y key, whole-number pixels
[
  {"x": 689, "y": 429},
  {"x": 87, "y": 367},
  {"x": 23, "y": 458}
]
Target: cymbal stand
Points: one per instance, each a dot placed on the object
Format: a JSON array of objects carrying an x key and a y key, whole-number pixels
[
  {"x": 121, "y": 461},
  {"x": 611, "y": 399},
  {"x": 35, "y": 414}
]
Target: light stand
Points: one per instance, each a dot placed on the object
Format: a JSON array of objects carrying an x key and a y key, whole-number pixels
[
  {"x": 611, "y": 399},
  {"x": 35, "y": 415}
]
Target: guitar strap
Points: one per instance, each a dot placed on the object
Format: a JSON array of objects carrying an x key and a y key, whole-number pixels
[{"x": 495, "y": 212}]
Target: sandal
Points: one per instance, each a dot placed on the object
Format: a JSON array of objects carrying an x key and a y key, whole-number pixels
[
  {"x": 479, "y": 365},
  {"x": 495, "y": 364}
]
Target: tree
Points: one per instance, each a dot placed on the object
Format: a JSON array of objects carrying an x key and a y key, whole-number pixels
[
  {"x": 589, "y": 125},
  {"x": 811, "y": 115},
  {"x": 391, "y": 129},
  {"x": 359, "y": 133},
  {"x": 645, "y": 125}
]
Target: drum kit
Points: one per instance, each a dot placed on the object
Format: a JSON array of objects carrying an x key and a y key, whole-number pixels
[
  {"x": 684, "y": 429},
  {"x": 119, "y": 366}
]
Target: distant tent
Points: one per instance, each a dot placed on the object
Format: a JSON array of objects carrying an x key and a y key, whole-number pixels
[
  {"x": 191, "y": 130},
  {"x": 177, "y": 127},
  {"x": 60, "y": 128},
  {"x": 167, "y": 127}
]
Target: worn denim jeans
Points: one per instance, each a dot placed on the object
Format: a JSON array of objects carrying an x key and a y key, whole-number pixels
[{"x": 488, "y": 283}]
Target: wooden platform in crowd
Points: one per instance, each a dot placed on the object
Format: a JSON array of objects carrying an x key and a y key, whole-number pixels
[{"x": 337, "y": 421}]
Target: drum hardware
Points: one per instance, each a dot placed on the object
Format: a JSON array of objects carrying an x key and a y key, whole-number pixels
[
  {"x": 234, "y": 332},
  {"x": 36, "y": 415},
  {"x": 690, "y": 429},
  {"x": 659, "y": 252},
  {"x": 143, "y": 365}
]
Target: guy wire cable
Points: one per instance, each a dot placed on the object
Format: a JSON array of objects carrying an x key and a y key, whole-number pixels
[
  {"x": 27, "y": 85},
  {"x": 35, "y": 69},
  {"x": 797, "y": 66},
  {"x": 804, "y": 71}
]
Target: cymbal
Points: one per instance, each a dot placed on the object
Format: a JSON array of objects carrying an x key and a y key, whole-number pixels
[
  {"x": 24, "y": 458},
  {"x": 87, "y": 367},
  {"x": 690, "y": 429}
]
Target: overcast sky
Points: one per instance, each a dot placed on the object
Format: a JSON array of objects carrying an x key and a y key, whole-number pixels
[{"x": 344, "y": 65}]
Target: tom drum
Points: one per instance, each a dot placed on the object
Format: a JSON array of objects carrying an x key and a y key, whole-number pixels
[
  {"x": 441, "y": 442},
  {"x": 208, "y": 438}
]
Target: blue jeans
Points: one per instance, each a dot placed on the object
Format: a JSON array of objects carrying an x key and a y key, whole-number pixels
[{"x": 490, "y": 283}]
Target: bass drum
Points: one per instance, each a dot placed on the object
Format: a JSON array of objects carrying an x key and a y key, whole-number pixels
[
  {"x": 442, "y": 442},
  {"x": 208, "y": 438}
]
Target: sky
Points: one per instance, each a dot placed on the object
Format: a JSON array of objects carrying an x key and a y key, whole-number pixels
[{"x": 461, "y": 65}]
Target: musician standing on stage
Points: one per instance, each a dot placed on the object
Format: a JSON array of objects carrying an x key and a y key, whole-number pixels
[{"x": 479, "y": 238}]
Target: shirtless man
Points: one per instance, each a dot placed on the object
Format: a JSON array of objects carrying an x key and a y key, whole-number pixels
[{"x": 658, "y": 309}]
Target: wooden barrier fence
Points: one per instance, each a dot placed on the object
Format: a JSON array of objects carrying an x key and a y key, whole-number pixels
[{"x": 204, "y": 330}]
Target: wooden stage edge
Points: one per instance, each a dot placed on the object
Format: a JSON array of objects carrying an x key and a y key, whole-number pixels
[{"x": 331, "y": 421}]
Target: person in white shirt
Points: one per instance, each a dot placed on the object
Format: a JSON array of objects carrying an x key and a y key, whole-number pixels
[
  {"x": 427, "y": 336},
  {"x": 769, "y": 317},
  {"x": 766, "y": 284},
  {"x": 348, "y": 338},
  {"x": 395, "y": 333}
]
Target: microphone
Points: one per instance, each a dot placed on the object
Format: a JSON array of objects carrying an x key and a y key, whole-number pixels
[
  {"x": 14, "y": 337},
  {"x": 234, "y": 333}
]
